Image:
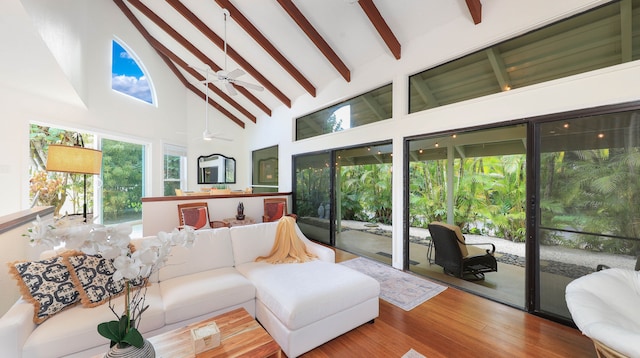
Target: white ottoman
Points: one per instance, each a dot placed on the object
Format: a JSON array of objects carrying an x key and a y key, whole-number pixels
[{"x": 304, "y": 305}]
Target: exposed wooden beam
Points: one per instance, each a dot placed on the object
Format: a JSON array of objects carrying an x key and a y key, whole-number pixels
[
  {"x": 218, "y": 41},
  {"x": 248, "y": 27},
  {"x": 127, "y": 12},
  {"x": 191, "y": 48},
  {"x": 315, "y": 37},
  {"x": 475, "y": 8},
  {"x": 381, "y": 26},
  {"x": 198, "y": 76}
]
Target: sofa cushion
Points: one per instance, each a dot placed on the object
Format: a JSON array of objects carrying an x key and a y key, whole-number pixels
[
  {"x": 46, "y": 284},
  {"x": 251, "y": 241},
  {"x": 211, "y": 250},
  {"x": 76, "y": 329},
  {"x": 204, "y": 292},
  {"x": 303, "y": 293}
]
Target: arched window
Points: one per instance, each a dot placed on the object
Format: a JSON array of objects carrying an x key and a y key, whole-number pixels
[{"x": 128, "y": 76}]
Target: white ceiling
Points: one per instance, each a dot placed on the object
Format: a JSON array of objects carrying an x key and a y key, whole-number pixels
[{"x": 30, "y": 66}]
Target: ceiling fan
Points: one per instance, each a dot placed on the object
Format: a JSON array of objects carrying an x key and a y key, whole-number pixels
[
  {"x": 207, "y": 134},
  {"x": 230, "y": 78}
]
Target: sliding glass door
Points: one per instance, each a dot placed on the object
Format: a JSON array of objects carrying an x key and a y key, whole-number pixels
[
  {"x": 477, "y": 181},
  {"x": 312, "y": 194},
  {"x": 363, "y": 200},
  {"x": 588, "y": 190},
  {"x": 343, "y": 198}
]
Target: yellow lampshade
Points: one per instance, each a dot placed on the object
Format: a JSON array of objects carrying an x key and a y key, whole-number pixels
[{"x": 74, "y": 159}]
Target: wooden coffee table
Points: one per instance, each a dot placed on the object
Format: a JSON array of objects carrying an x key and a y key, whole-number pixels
[{"x": 240, "y": 336}]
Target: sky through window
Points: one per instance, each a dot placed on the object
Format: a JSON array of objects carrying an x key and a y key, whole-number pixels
[{"x": 126, "y": 75}]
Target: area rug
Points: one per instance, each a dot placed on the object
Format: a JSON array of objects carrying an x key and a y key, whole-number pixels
[
  {"x": 413, "y": 354},
  {"x": 396, "y": 287}
]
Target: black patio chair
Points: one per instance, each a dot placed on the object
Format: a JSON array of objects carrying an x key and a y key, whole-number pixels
[{"x": 458, "y": 258}]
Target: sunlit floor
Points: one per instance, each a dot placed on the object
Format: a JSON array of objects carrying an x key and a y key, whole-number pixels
[{"x": 506, "y": 286}]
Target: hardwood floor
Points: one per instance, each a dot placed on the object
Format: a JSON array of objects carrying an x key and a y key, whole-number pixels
[{"x": 456, "y": 324}]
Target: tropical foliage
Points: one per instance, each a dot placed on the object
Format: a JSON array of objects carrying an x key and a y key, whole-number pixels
[
  {"x": 488, "y": 194},
  {"x": 366, "y": 192},
  {"x": 122, "y": 172},
  {"x": 313, "y": 185},
  {"x": 594, "y": 192},
  {"x": 590, "y": 194},
  {"x": 121, "y": 179},
  {"x": 55, "y": 188}
]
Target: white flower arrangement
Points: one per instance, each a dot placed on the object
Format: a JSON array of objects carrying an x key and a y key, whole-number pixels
[{"x": 113, "y": 243}]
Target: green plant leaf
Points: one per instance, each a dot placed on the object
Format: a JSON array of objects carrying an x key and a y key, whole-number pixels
[
  {"x": 122, "y": 327},
  {"x": 134, "y": 338},
  {"x": 109, "y": 330}
]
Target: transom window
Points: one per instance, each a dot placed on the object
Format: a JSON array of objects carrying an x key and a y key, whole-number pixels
[
  {"x": 366, "y": 108},
  {"x": 128, "y": 76},
  {"x": 606, "y": 36}
]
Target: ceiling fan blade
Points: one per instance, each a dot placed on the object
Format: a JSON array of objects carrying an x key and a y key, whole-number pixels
[
  {"x": 220, "y": 137},
  {"x": 230, "y": 89},
  {"x": 235, "y": 73},
  {"x": 223, "y": 138},
  {"x": 248, "y": 85},
  {"x": 209, "y": 136}
]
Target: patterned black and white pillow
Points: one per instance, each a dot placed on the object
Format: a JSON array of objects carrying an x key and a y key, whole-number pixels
[
  {"x": 93, "y": 277},
  {"x": 46, "y": 284}
]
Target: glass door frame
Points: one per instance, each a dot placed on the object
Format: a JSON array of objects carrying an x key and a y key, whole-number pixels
[
  {"x": 332, "y": 182},
  {"x": 533, "y": 272},
  {"x": 532, "y": 295}
]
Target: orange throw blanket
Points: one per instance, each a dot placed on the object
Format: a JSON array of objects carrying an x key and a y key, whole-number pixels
[{"x": 287, "y": 247}]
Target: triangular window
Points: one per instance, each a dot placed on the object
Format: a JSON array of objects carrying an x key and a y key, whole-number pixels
[{"x": 127, "y": 75}]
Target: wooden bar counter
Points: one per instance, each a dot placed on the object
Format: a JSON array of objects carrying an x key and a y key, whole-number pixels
[{"x": 161, "y": 213}]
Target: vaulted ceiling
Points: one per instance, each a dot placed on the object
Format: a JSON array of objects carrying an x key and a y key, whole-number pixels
[{"x": 291, "y": 49}]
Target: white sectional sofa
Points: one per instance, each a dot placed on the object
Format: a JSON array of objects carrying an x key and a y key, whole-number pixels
[{"x": 301, "y": 305}]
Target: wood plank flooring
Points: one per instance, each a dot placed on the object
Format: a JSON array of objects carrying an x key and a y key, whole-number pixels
[{"x": 456, "y": 324}]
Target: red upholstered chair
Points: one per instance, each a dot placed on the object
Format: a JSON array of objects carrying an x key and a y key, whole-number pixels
[
  {"x": 196, "y": 215},
  {"x": 274, "y": 209}
]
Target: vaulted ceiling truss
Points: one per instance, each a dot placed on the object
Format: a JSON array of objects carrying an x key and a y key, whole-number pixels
[{"x": 176, "y": 63}]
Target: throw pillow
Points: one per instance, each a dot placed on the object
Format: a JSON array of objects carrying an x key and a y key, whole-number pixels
[
  {"x": 93, "y": 278},
  {"x": 46, "y": 284}
]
